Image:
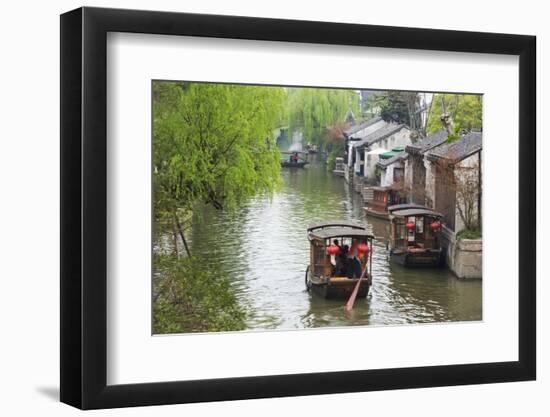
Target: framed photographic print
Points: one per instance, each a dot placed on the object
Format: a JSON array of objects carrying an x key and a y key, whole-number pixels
[{"x": 256, "y": 208}]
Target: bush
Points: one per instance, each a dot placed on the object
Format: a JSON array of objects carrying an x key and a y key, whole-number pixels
[
  {"x": 469, "y": 234},
  {"x": 331, "y": 161},
  {"x": 189, "y": 295}
]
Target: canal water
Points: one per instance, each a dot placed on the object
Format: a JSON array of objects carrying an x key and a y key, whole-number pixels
[{"x": 263, "y": 246}]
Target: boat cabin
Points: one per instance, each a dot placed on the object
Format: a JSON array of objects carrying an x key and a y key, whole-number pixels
[
  {"x": 380, "y": 198},
  {"x": 415, "y": 235},
  {"x": 340, "y": 256}
]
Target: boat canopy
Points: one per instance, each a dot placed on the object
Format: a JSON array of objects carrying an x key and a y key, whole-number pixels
[
  {"x": 396, "y": 207},
  {"x": 416, "y": 212},
  {"x": 335, "y": 223},
  {"x": 340, "y": 231}
]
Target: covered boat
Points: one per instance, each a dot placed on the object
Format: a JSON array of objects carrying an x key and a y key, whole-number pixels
[
  {"x": 294, "y": 160},
  {"x": 379, "y": 199},
  {"x": 340, "y": 258},
  {"x": 415, "y": 236}
]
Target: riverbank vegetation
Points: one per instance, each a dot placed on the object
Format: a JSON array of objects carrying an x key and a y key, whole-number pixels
[
  {"x": 212, "y": 145},
  {"x": 193, "y": 295},
  {"x": 469, "y": 234}
]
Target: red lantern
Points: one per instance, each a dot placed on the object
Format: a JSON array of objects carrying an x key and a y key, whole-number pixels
[
  {"x": 333, "y": 250},
  {"x": 435, "y": 226},
  {"x": 363, "y": 248},
  {"x": 410, "y": 226}
]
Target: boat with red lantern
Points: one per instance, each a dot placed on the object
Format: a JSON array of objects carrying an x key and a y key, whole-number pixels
[
  {"x": 415, "y": 236},
  {"x": 340, "y": 259}
]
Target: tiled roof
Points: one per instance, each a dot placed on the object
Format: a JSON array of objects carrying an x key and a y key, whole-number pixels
[
  {"x": 380, "y": 134},
  {"x": 458, "y": 150},
  {"x": 356, "y": 128},
  {"x": 430, "y": 142}
]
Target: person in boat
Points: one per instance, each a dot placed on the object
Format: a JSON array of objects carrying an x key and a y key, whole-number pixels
[
  {"x": 354, "y": 268},
  {"x": 353, "y": 265},
  {"x": 295, "y": 157},
  {"x": 336, "y": 242},
  {"x": 342, "y": 262}
]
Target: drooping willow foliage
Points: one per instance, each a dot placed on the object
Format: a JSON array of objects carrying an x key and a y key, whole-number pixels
[
  {"x": 213, "y": 143},
  {"x": 315, "y": 110}
]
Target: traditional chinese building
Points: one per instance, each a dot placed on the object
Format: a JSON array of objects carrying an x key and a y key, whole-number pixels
[
  {"x": 453, "y": 181},
  {"x": 416, "y": 167}
]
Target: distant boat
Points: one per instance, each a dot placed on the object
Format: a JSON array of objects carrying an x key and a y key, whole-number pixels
[
  {"x": 379, "y": 199},
  {"x": 339, "y": 167},
  {"x": 312, "y": 149},
  {"x": 294, "y": 160},
  {"x": 292, "y": 164}
]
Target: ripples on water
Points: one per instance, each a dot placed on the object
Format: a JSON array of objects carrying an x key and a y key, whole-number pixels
[{"x": 263, "y": 247}]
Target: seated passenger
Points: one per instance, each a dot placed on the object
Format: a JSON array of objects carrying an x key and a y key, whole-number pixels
[{"x": 354, "y": 268}]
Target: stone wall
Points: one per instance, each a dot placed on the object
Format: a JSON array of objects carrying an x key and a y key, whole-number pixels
[{"x": 463, "y": 257}]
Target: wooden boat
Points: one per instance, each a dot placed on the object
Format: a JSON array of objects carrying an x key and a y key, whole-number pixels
[
  {"x": 339, "y": 167},
  {"x": 415, "y": 236},
  {"x": 379, "y": 199},
  {"x": 297, "y": 164},
  {"x": 294, "y": 160},
  {"x": 312, "y": 149},
  {"x": 332, "y": 272}
]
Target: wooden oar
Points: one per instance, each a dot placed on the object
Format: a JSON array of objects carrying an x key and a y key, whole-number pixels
[{"x": 349, "y": 305}]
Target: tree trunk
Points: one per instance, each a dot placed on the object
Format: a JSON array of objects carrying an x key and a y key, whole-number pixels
[
  {"x": 425, "y": 128},
  {"x": 175, "y": 239},
  {"x": 180, "y": 231}
]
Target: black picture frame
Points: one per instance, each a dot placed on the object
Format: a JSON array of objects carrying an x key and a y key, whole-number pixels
[{"x": 84, "y": 207}]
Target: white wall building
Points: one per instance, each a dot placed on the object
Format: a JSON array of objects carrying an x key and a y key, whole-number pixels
[
  {"x": 382, "y": 140},
  {"x": 392, "y": 170},
  {"x": 356, "y": 133}
]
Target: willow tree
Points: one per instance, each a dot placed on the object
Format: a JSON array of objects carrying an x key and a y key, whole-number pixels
[
  {"x": 455, "y": 112},
  {"x": 212, "y": 144},
  {"x": 314, "y": 110}
]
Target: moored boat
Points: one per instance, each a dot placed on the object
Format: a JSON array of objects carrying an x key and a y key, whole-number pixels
[
  {"x": 415, "y": 236},
  {"x": 379, "y": 199},
  {"x": 340, "y": 260}
]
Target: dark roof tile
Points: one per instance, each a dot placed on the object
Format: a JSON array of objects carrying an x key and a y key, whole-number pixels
[
  {"x": 356, "y": 128},
  {"x": 380, "y": 134},
  {"x": 427, "y": 143},
  {"x": 458, "y": 150}
]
